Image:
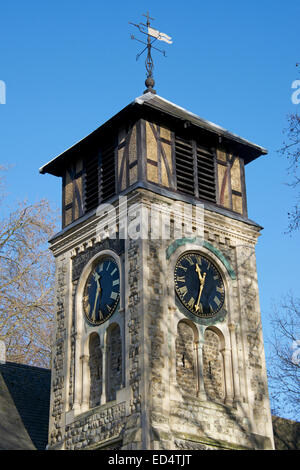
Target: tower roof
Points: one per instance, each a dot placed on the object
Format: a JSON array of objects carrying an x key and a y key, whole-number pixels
[{"x": 152, "y": 104}]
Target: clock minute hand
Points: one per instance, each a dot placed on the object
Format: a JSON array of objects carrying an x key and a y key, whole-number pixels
[
  {"x": 202, "y": 281},
  {"x": 99, "y": 290}
]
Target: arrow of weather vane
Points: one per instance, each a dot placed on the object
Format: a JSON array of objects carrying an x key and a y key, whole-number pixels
[{"x": 152, "y": 36}]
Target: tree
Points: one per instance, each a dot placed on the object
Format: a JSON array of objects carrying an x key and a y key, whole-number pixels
[
  {"x": 27, "y": 283},
  {"x": 284, "y": 360},
  {"x": 291, "y": 150}
]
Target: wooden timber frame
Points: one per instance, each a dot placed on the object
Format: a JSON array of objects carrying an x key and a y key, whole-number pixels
[{"x": 143, "y": 145}]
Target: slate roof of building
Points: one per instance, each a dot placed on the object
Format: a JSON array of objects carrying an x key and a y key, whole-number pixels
[{"x": 24, "y": 406}]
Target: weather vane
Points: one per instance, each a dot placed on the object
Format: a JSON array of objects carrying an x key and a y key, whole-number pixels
[{"x": 152, "y": 36}]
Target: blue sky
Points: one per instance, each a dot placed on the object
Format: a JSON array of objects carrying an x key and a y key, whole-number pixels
[{"x": 70, "y": 65}]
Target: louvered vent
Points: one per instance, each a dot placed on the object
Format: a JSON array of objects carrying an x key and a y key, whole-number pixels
[
  {"x": 91, "y": 183},
  {"x": 195, "y": 169},
  {"x": 184, "y": 166},
  {"x": 108, "y": 179},
  {"x": 206, "y": 174},
  {"x": 100, "y": 183}
]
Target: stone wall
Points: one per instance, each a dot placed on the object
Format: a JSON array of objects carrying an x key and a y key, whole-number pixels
[
  {"x": 95, "y": 428},
  {"x": 186, "y": 374},
  {"x": 58, "y": 359},
  {"x": 114, "y": 362},
  {"x": 213, "y": 375},
  {"x": 95, "y": 366},
  {"x": 182, "y": 388}
]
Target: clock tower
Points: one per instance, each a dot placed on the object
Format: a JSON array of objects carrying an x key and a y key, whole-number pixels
[{"x": 158, "y": 340}]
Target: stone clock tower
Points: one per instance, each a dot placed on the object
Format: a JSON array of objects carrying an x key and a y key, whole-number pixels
[{"x": 158, "y": 341}]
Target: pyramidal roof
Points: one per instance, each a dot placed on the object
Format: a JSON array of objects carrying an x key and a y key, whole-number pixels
[{"x": 150, "y": 101}]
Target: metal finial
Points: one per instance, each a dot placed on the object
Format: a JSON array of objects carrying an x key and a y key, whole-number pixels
[{"x": 152, "y": 36}]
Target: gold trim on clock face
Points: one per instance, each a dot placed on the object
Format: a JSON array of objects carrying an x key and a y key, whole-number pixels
[
  {"x": 102, "y": 291},
  {"x": 199, "y": 285}
]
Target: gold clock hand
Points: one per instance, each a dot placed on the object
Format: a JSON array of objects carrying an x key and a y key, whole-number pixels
[
  {"x": 99, "y": 290},
  {"x": 202, "y": 281}
]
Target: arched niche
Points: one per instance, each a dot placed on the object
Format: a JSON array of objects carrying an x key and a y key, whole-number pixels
[
  {"x": 186, "y": 357},
  {"x": 114, "y": 361},
  {"x": 213, "y": 365},
  {"x": 95, "y": 370}
]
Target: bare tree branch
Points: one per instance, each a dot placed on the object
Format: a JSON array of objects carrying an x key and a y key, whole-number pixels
[
  {"x": 27, "y": 283},
  {"x": 284, "y": 359}
]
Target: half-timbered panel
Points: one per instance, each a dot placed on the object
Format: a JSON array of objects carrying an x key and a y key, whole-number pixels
[
  {"x": 231, "y": 182},
  {"x": 151, "y": 152},
  {"x": 159, "y": 155},
  {"x": 127, "y": 158},
  {"x": 133, "y": 157},
  {"x": 73, "y": 192}
]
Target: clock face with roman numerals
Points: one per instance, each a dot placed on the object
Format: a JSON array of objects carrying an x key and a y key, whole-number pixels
[
  {"x": 102, "y": 291},
  {"x": 199, "y": 285}
]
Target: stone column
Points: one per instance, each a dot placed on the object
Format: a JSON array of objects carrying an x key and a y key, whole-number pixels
[
  {"x": 104, "y": 375},
  {"x": 77, "y": 375},
  {"x": 226, "y": 353},
  {"x": 201, "y": 390},
  {"x": 85, "y": 382},
  {"x": 234, "y": 358}
]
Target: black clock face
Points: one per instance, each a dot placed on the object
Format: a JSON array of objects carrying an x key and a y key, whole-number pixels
[
  {"x": 102, "y": 291},
  {"x": 199, "y": 285}
]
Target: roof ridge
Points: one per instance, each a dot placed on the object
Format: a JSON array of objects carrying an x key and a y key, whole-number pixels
[{"x": 18, "y": 364}]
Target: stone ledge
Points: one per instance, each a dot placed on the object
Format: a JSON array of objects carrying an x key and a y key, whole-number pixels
[{"x": 218, "y": 444}]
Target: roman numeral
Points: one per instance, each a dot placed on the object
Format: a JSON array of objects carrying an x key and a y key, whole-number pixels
[
  {"x": 180, "y": 278},
  {"x": 190, "y": 260},
  {"x": 183, "y": 290},
  {"x": 182, "y": 267}
]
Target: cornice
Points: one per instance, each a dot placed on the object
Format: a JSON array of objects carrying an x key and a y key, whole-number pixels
[{"x": 91, "y": 230}]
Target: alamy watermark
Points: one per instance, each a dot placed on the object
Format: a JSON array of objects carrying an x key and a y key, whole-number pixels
[
  {"x": 296, "y": 353},
  {"x": 296, "y": 94},
  {"x": 2, "y": 92},
  {"x": 155, "y": 221}
]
